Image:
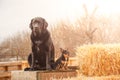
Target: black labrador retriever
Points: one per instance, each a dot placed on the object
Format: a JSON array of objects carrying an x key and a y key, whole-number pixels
[{"x": 42, "y": 56}]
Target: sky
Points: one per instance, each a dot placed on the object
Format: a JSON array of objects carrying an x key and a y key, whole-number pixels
[{"x": 15, "y": 15}]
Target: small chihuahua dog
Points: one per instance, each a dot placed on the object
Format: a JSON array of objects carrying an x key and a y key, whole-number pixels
[{"x": 62, "y": 62}]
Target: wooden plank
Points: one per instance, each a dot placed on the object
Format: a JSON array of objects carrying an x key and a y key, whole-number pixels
[
  {"x": 10, "y": 63},
  {"x": 2, "y": 69},
  {"x": 42, "y": 75},
  {"x": 13, "y": 68},
  {"x": 5, "y": 74},
  {"x": 50, "y": 75}
]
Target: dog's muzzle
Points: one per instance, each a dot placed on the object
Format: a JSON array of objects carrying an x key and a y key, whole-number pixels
[{"x": 36, "y": 28}]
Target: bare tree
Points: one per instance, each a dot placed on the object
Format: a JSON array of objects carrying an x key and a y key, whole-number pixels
[{"x": 17, "y": 46}]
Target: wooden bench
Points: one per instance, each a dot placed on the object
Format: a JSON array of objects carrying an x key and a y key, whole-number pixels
[{"x": 7, "y": 67}]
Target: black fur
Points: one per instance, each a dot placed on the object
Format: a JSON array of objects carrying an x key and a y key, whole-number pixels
[{"x": 42, "y": 56}]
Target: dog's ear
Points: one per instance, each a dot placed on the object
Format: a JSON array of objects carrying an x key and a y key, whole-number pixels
[
  {"x": 61, "y": 49},
  {"x": 30, "y": 25},
  {"x": 45, "y": 24}
]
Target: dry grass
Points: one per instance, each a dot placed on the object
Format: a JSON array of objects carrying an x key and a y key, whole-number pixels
[
  {"x": 112, "y": 77},
  {"x": 99, "y": 59}
]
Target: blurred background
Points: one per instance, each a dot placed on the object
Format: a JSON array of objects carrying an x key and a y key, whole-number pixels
[{"x": 72, "y": 23}]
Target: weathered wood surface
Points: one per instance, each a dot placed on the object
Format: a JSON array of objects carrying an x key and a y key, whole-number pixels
[
  {"x": 42, "y": 75},
  {"x": 7, "y": 67}
]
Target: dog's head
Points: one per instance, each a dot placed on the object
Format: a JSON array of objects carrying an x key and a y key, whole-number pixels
[
  {"x": 38, "y": 25},
  {"x": 65, "y": 53}
]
